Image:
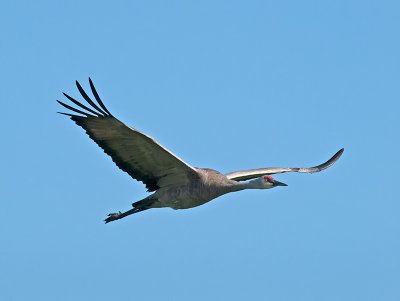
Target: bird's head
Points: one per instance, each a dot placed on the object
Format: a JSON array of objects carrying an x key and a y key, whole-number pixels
[{"x": 266, "y": 182}]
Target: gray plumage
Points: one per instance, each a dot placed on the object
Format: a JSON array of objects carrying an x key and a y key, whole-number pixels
[{"x": 174, "y": 182}]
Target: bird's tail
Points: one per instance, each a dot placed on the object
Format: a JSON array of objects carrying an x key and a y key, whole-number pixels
[{"x": 143, "y": 204}]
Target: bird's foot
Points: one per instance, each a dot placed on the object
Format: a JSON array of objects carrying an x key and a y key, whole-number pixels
[{"x": 113, "y": 217}]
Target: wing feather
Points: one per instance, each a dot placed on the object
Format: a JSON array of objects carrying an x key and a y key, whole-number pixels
[
  {"x": 142, "y": 157},
  {"x": 244, "y": 175},
  {"x": 96, "y": 95},
  {"x": 73, "y": 109},
  {"x": 81, "y": 105}
]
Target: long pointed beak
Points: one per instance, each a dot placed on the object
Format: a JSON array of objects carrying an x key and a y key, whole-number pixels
[{"x": 277, "y": 183}]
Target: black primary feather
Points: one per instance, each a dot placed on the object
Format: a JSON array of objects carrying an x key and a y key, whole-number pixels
[
  {"x": 87, "y": 98},
  {"x": 81, "y": 105},
  {"x": 96, "y": 95}
]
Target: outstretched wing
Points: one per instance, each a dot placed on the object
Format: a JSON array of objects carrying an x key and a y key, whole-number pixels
[
  {"x": 243, "y": 175},
  {"x": 143, "y": 158}
]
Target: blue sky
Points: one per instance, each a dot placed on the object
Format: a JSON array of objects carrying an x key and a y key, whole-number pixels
[{"x": 224, "y": 84}]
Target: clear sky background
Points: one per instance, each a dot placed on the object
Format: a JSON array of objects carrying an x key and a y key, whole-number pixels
[{"x": 224, "y": 84}]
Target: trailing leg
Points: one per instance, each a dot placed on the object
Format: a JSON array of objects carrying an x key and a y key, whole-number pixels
[{"x": 137, "y": 207}]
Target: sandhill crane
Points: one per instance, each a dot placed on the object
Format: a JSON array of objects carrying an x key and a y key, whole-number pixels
[{"x": 174, "y": 182}]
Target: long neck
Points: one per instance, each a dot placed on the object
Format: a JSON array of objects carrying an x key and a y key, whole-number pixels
[{"x": 250, "y": 184}]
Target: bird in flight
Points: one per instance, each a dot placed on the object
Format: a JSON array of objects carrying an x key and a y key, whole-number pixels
[{"x": 174, "y": 182}]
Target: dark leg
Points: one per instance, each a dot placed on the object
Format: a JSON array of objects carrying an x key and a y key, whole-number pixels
[
  {"x": 137, "y": 207},
  {"x": 114, "y": 216}
]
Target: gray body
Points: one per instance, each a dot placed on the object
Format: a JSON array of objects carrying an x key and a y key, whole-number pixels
[
  {"x": 174, "y": 182},
  {"x": 209, "y": 185}
]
